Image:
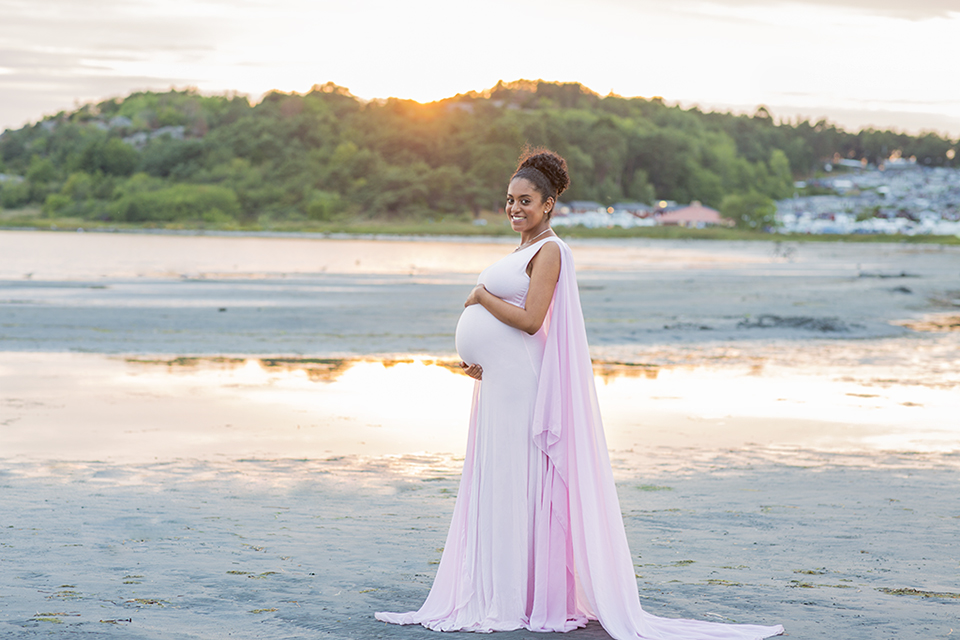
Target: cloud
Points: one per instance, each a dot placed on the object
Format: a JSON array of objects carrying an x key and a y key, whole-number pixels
[
  {"x": 50, "y": 94},
  {"x": 915, "y": 10},
  {"x": 855, "y": 119},
  {"x": 57, "y": 52},
  {"x": 99, "y": 26}
]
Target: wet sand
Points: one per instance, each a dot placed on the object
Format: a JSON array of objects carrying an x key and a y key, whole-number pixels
[
  {"x": 173, "y": 470},
  {"x": 307, "y": 549},
  {"x": 122, "y": 294}
]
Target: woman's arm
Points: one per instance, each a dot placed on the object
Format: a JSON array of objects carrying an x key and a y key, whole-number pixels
[{"x": 545, "y": 271}]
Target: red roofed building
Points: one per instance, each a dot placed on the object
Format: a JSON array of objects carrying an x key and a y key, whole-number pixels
[{"x": 696, "y": 215}]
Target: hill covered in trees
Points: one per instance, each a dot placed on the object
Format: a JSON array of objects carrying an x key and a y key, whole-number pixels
[{"x": 183, "y": 157}]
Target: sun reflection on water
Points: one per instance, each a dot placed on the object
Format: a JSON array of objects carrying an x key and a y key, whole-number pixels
[
  {"x": 421, "y": 402},
  {"x": 411, "y": 413}
]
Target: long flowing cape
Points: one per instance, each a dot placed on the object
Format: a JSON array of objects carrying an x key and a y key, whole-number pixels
[{"x": 580, "y": 548}]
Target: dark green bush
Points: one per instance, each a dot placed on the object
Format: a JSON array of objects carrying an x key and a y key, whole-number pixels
[
  {"x": 14, "y": 194},
  {"x": 182, "y": 202}
]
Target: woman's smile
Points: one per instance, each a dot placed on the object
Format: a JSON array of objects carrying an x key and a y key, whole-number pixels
[{"x": 525, "y": 207}]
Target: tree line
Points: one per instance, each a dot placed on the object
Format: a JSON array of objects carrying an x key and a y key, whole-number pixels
[{"x": 178, "y": 156}]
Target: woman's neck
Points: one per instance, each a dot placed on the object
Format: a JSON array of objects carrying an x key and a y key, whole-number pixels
[{"x": 534, "y": 234}]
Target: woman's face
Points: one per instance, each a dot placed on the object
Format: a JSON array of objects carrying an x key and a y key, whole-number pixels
[{"x": 525, "y": 206}]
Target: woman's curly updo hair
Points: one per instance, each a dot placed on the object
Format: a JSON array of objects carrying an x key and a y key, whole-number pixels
[{"x": 546, "y": 170}]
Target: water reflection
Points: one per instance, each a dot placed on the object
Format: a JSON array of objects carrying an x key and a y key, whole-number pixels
[
  {"x": 90, "y": 407},
  {"x": 316, "y": 369},
  {"x": 935, "y": 322}
]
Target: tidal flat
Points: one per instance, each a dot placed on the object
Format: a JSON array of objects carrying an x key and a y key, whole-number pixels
[{"x": 261, "y": 437}]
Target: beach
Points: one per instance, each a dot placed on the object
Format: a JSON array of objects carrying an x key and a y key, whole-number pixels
[{"x": 210, "y": 436}]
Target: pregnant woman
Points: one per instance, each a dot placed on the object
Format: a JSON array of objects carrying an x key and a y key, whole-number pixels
[{"x": 537, "y": 539}]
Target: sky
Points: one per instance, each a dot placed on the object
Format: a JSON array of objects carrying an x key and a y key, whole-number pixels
[{"x": 858, "y": 63}]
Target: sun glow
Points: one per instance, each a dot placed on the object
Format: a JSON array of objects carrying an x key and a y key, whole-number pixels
[
  {"x": 796, "y": 58},
  {"x": 224, "y": 409}
]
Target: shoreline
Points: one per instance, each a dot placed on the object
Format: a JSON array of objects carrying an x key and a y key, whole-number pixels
[{"x": 466, "y": 232}]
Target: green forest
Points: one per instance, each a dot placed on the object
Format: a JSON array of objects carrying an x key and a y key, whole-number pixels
[{"x": 180, "y": 157}]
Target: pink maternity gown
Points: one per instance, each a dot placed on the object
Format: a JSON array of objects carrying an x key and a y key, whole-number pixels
[{"x": 537, "y": 539}]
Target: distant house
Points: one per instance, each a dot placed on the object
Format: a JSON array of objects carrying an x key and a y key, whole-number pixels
[
  {"x": 120, "y": 122},
  {"x": 662, "y": 206},
  {"x": 900, "y": 164},
  {"x": 175, "y": 132},
  {"x": 140, "y": 138},
  {"x": 593, "y": 215},
  {"x": 857, "y": 165},
  {"x": 581, "y": 206},
  {"x": 460, "y": 106},
  {"x": 638, "y": 209},
  {"x": 695, "y": 215}
]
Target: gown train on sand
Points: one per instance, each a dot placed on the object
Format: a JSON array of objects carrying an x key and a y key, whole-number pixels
[{"x": 537, "y": 538}]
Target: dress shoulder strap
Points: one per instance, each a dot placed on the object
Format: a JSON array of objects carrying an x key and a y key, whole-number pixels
[
  {"x": 555, "y": 239},
  {"x": 538, "y": 245}
]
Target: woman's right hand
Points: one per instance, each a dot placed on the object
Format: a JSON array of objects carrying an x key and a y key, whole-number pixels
[
  {"x": 475, "y": 371},
  {"x": 474, "y": 297}
]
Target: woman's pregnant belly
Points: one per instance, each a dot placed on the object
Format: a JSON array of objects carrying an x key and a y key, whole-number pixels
[{"x": 484, "y": 340}]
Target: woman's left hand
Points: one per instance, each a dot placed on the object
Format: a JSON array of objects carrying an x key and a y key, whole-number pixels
[
  {"x": 475, "y": 371},
  {"x": 474, "y": 297}
]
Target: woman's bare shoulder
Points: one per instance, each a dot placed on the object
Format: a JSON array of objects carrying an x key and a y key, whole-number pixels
[
  {"x": 551, "y": 249},
  {"x": 547, "y": 258}
]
